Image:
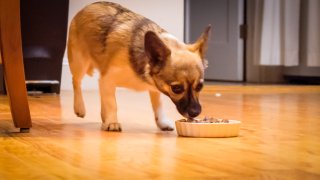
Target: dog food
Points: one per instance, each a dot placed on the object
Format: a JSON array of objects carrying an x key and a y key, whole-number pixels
[{"x": 206, "y": 120}]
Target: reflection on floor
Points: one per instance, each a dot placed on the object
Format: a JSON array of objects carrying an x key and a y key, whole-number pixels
[{"x": 279, "y": 138}]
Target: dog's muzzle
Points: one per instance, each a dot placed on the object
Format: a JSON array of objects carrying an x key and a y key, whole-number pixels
[
  {"x": 194, "y": 111},
  {"x": 187, "y": 109}
]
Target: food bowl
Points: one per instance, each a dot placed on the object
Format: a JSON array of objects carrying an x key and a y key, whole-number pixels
[{"x": 229, "y": 128}]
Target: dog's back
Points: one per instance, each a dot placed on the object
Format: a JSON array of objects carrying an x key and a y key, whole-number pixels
[{"x": 104, "y": 32}]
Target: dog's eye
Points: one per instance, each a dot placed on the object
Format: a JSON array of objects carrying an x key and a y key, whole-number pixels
[
  {"x": 199, "y": 87},
  {"x": 177, "y": 89}
]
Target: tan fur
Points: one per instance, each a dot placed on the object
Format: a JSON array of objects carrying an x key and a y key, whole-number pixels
[{"x": 109, "y": 38}]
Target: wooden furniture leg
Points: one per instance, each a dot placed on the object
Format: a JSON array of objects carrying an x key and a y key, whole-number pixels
[{"x": 12, "y": 59}]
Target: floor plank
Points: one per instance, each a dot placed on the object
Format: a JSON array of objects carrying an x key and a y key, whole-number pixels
[{"x": 279, "y": 138}]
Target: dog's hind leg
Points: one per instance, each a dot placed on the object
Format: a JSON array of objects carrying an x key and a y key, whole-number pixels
[
  {"x": 79, "y": 66},
  {"x": 108, "y": 105},
  {"x": 162, "y": 121}
]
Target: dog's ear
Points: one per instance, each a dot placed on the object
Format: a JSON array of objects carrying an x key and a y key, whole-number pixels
[
  {"x": 156, "y": 50},
  {"x": 201, "y": 45}
]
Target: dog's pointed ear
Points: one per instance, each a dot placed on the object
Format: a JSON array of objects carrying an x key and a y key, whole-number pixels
[
  {"x": 155, "y": 49},
  {"x": 201, "y": 45}
]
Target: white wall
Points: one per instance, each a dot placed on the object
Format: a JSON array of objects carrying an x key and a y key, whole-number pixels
[{"x": 169, "y": 14}]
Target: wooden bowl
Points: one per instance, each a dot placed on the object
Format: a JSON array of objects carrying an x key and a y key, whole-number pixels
[{"x": 199, "y": 129}]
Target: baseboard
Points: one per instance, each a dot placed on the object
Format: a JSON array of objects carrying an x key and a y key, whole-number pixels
[{"x": 88, "y": 83}]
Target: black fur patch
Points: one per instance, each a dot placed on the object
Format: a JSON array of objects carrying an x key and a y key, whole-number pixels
[
  {"x": 188, "y": 103},
  {"x": 108, "y": 23},
  {"x": 138, "y": 57}
]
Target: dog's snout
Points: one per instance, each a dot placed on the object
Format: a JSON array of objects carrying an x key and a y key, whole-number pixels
[
  {"x": 194, "y": 112},
  {"x": 188, "y": 106}
]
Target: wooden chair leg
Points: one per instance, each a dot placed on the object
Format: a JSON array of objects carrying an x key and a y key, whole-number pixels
[{"x": 12, "y": 59}]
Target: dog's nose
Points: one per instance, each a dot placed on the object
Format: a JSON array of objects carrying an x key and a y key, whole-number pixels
[{"x": 194, "y": 112}]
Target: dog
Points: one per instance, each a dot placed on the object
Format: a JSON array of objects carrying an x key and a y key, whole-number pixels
[{"x": 131, "y": 51}]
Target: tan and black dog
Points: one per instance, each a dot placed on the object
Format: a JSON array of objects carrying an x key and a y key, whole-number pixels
[{"x": 131, "y": 51}]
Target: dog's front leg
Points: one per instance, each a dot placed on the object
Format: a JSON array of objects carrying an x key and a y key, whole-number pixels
[
  {"x": 162, "y": 121},
  {"x": 108, "y": 105}
]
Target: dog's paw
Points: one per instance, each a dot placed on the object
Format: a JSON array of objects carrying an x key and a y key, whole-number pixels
[
  {"x": 111, "y": 127},
  {"x": 165, "y": 124},
  {"x": 168, "y": 128},
  {"x": 80, "y": 110},
  {"x": 80, "y": 114}
]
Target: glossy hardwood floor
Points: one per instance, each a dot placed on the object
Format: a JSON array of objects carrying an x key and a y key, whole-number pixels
[{"x": 279, "y": 138}]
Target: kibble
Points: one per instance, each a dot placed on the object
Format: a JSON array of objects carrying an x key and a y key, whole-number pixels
[{"x": 206, "y": 120}]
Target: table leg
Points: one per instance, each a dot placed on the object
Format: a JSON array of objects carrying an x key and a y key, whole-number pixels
[{"x": 12, "y": 59}]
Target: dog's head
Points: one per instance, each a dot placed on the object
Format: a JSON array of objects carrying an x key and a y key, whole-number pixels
[{"x": 178, "y": 69}]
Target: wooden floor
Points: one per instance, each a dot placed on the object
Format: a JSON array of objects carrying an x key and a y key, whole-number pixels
[{"x": 279, "y": 138}]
